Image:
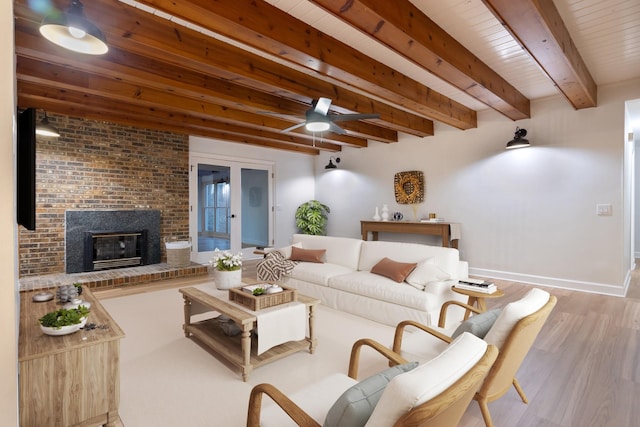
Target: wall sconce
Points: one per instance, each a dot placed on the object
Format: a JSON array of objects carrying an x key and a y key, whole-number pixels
[
  {"x": 331, "y": 165},
  {"x": 44, "y": 128},
  {"x": 73, "y": 31},
  {"x": 519, "y": 140}
]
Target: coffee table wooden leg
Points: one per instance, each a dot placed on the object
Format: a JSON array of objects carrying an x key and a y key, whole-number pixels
[
  {"x": 187, "y": 315},
  {"x": 312, "y": 336},
  {"x": 482, "y": 305},
  {"x": 246, "y": 352}
]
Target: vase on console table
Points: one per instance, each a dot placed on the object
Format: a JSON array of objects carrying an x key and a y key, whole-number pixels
[
  {"x": 227, "y": 279},
  {"x": 385, "y": 213},
  {"x": 376, "y": 216}
]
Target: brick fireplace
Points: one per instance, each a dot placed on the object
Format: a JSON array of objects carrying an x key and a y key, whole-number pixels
[{"x": 97, "y": 165}]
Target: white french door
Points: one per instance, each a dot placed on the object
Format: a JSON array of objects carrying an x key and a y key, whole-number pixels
[{"x": 230, "y": 206}]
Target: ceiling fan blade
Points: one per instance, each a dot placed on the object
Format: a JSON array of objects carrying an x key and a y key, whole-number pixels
[
  {"x": 290, "y": 128},
  {"x": 322, "y": 106},
  {"x": 336, "y": 129},
  {"x": 344, "y": 117}
]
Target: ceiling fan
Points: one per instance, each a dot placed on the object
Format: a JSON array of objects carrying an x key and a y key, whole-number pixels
[{"x": 318, "y": 118}]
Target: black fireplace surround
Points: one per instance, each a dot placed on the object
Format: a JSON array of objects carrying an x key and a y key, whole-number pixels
[{"x": 82, "y": 223}]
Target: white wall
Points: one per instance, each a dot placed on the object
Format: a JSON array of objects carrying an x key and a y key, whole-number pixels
[
  {"x": 294, "y": 178},
  {"x": 528, "y": 214},
  {"x": 8, "y": 229}
]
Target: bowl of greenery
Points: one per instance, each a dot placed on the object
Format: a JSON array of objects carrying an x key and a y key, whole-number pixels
[{"x": 64, "y": 321}]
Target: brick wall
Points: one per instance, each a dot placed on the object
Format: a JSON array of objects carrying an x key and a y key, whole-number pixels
[{"x": 99, "y": 165}]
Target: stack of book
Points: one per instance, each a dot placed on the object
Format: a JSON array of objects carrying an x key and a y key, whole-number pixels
[{"x": 477, "y": 285}]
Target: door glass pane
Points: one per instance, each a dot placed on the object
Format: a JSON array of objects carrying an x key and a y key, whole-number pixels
[
  {"x": 213, "y": 207},
  {"x": 255, "y": 208}
]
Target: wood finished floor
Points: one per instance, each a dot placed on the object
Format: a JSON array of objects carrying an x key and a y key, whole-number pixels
[{"x": 583, "y": 370}]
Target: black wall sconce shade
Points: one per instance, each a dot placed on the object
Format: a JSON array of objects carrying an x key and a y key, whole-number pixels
[
  {"x": 44, "y": 128},
  {"x": 73, "y": 31},
  {"x": 519, "y": 140},
  {"x": 331, "y": 165}
]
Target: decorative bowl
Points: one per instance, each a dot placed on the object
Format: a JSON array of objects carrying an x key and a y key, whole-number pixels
[{"x": 62, "y": 330}]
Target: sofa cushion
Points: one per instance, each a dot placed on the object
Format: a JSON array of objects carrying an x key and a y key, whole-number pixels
[
  {"x": 343, "y": 251},
  {"x": 354, "y": 407},
  {"x": 448, "y": 259},
  {"x": 406, "y": 391},
  {"x": 378, "y": 287},
  {"x": 318, "y": 274},
  {"x": 426, "y": 271},
  {"x": 307, "y": 255},
  {"x": 511, "y": 314},
  {"x": 286, "y": 250},
  {"x": 478, "y": 324},
  {"x": 394, "y": 270}
]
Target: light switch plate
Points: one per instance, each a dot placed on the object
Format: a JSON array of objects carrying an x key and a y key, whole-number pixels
[{"x": 604, "y": 209}]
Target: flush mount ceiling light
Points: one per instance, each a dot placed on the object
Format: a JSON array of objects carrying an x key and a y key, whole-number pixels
[
  {"x": 519, "y": 140},
  {"x": 73, "y": 31},
  {"x": 44, "y": 128},
  {"x": 331, "y": 165}
]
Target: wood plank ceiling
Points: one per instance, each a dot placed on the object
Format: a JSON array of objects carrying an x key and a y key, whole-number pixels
[{"x": 243, "y": 70}]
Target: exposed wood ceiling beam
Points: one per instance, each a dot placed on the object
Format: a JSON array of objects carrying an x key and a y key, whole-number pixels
[
  {"x": 96, "y": 108},
  {"x": 538, "y": 27},
  {"x": 404, "y": 28},
  {"x": 265, "y": 27}
]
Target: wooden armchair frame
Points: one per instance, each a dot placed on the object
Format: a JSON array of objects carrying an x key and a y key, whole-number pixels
[
  {"x": 445, "y": 409},
  {"x": 513, "y": 351}
]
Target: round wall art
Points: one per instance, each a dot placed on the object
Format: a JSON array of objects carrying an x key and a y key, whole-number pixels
[{"x": 409, "y": 187}]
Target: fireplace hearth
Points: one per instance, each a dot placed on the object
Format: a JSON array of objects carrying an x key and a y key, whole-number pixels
[{"x": 105, "y": 239}]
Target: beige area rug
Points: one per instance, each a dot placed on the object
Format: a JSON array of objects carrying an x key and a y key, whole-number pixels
[{"x": 169, "y": 380}]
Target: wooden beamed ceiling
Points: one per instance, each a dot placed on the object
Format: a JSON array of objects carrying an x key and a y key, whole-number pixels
[{"x": 260, "y": 73}]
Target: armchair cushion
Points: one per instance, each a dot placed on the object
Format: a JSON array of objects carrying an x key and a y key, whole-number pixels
[
  {"x": 354, "y": 407},
  {"x": 394, "y": 270},
  {"x": 478, "y": 324},
  {"x": 428, "y": 380},
  {"x": 426, "y": 271},
  {"x": 533, "y": 301}
]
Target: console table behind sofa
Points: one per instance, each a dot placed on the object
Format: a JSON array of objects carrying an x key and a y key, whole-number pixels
[{"x": 443, "y": 229}]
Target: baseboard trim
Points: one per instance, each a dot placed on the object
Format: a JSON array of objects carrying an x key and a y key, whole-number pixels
[{"x": 574, "y": 285}]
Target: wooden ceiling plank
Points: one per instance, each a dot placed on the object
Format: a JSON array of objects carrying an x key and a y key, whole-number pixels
[
  {"x": 260, "y": 25},
  {"x": 404, "y": 28},
  {"x": 148, "y": 35},
  {"x": 538, "y": 27}
]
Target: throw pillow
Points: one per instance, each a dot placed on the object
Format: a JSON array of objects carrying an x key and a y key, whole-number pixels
[
  {"x": 426, "y": 271},
  {"x": 354, "y": 407},
  {"x": 286, "y": 250},
  {"x": 394, "y": 270},
  {"x": 478, "y": 324},
  {"x": 307, "y": 255}
]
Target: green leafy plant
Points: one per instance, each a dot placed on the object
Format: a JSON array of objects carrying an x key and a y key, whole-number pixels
[
  {"x": 63, "y": 317},
  {"x": 258, "y": 291},
  {"x": 311, "y": 218}
]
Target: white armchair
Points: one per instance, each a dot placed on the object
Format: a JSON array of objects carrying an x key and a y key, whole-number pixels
[
  {"x": 434, "y": 393},
  {"x": 513, "y": 331}
]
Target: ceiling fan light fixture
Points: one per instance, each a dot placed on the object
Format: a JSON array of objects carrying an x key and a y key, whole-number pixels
[
  {"x": 519, "y": 140},
  {"x": 73, "y": 31},
  {"x": 318, "y": 126},
  {"x": 332, "y": 165},
  {"x": 44, "y": 128}
]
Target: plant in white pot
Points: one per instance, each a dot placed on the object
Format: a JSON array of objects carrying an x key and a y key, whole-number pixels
[
  {"x": 311, "y": 218},
  {"x": 227, "y": 269}
]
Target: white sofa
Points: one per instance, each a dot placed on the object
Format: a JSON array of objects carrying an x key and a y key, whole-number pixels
[{"x": 344, "y": 280}]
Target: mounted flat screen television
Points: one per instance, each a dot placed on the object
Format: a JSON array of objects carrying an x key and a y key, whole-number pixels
[{"x": 26, "y": 169}]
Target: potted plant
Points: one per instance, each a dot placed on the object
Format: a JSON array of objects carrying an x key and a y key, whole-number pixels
[
  {"x": 226, "y": 269},
  {"x": 311, "y": 218}
]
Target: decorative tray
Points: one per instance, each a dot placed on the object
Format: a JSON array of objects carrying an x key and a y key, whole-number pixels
[{"x": 255, "y": 303}]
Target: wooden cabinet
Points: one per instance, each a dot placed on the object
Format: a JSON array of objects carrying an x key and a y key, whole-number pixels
[{"x": 70, "y": 380}]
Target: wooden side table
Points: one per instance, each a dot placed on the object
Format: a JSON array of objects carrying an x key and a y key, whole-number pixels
[{"x": 477, "y": 298}]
